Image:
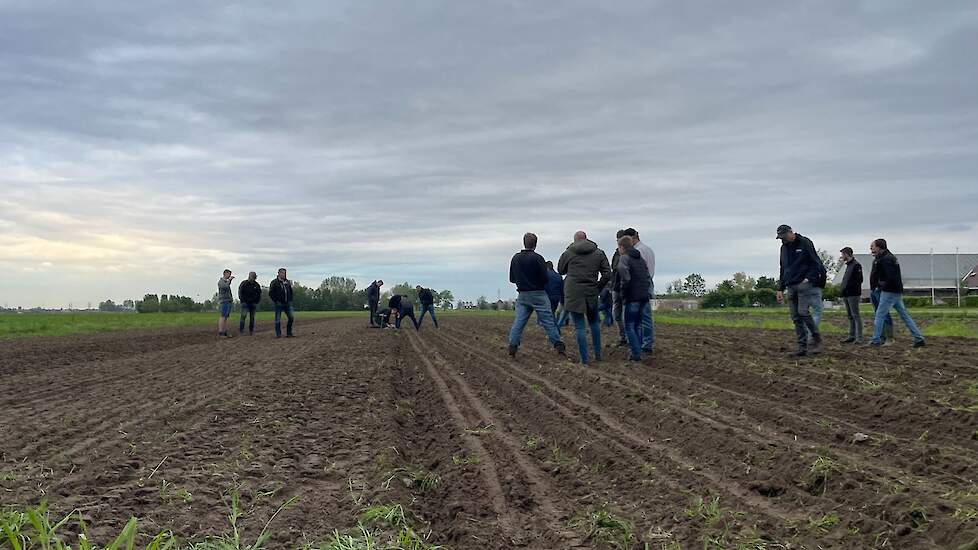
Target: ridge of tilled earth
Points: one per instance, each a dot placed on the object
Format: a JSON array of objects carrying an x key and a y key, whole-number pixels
[{"x": 518, "y": 449}]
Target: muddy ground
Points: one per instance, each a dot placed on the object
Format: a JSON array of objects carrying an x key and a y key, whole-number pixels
[{"x": 720, "y": 441}]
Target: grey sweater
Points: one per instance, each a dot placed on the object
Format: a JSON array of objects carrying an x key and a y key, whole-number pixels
[{"x": 224, "y": 291}]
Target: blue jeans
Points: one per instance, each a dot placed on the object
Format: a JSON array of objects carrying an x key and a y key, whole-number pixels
[
  {"x": 247, "y": 310},
  {"x": 289, "y": 312},
  {"x": 226, "y": 308},
  {"x": 648, "y": 325},
  {"x": 428, "y": 309},
  {"x": 581, "y": 320},
  {"x": 817, "y": 307},
  {"x": 888, "y": 301},
  {"x": 874, "y": 297},
  {"x": 633, "y": 314},
  {"x": 607, "y": 319},
  {"x": 407, "y": 311},
  {"x": 528, "y": 302},
  {"x": 800, "y": 300}
]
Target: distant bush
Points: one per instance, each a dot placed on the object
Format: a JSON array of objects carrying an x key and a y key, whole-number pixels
[
  {"x": 971, "y": 301},
  {"x": 916, "y": 301},
  {"x": 718, "y": 298}
]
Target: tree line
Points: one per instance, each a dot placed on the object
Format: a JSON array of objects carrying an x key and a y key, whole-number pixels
[{"x": 332, "y": 294}]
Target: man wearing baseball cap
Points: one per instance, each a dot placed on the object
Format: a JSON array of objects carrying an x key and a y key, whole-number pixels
[{"x": 801, "y": 271}]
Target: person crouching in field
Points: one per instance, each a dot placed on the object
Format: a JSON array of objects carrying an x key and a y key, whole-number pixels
[
  {"x": 226, "y": 299},
  {"x": 801, "y": 269},
  {"x": 635, "y": 288},
  {"x": 887, "y": 277},
  {"x": 427, "y": 299},
  {"x": 583, "y": 263},
  {"x": 249, "y": 293},
  {"x": 401, "y": 307},
  {"x": 280, "y": 291}
]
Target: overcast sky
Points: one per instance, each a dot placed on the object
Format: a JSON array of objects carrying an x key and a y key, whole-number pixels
[{"x": 146, "y": 146}]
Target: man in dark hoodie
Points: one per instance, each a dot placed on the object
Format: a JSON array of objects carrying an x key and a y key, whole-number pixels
[
  {"x": 427, "y": 299},
  {"x": 554, "y": 288},
  {"x": 636, "y": 291},
  {"x": 528, "y": 271},
  {"x": 852, "y": 292},
  {"x": 801, "y": 270},
  {"x": 373, "y": 299},
  {"x": 887, "y": 277},
  {"x": 280, "y": 291},
  {"x": 249, "y": 292},
  {"x": 402, "y": 305},
  {"x": 619, "y": 305},
  {"x": 588, "y": 271}
]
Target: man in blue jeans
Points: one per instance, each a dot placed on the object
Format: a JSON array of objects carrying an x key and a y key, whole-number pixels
[
  {"x": 583, "y": 263},
  {"x": 886, "y": 277},
  {"x": 648, "y": 256},
  {"x": 427, "y": 299},
  {"x": 528, "y": 271},
  {"x": 801, "y": 270},
  {"x": 635, "y": 287},
  {"x": 226, "y": 299},
  {"x": 280, "y": 291}
]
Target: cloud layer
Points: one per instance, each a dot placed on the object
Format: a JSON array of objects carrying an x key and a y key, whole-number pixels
[{"x": 145, "y": 147}]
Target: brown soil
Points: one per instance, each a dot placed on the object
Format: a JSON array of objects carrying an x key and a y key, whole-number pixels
[{"x": 524, "y": 448}]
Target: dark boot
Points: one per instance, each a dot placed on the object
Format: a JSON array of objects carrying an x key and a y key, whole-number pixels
[
  {"x": 512, "y": 350},
  {"x": 561, "y": 348}
]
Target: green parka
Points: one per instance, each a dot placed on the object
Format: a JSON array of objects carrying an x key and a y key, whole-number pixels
[{"x": 582, "y": 262}]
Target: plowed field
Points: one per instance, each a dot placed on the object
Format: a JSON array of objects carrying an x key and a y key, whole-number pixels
[{"x": 719, "y": 441}]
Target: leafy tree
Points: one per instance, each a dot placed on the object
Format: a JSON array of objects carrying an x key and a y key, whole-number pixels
[
  {"x": 727, "y": 286},
  {"x": 149, "y": 304},
  {"x": 694, "y": 285},
  {"x": 108, "y": 305},
  {"x": 444, "y": 299},
  {"x": 483, "y": 303},
  {"x": 831, "y": 263},
  {"x": 675, "y": 287},
  {"x": 742, "y": 281},
  {"x": 766, "y": 282}
]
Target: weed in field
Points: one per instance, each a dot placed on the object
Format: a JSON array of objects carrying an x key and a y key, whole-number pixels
[
  {"x": 390, "y": 515},
  {"x": 707, "y": 509},
  {"x": 818, "y": 475},
  {"x": 965, "y": 514},
  {"x": 825, "y": 523},
  {"x": 532, "y": 442},
  {"x": 413, "y": 477},
  {"x": 603, "y": 526},
  {"x": 33, "y": 528},
  {"x": 558, "y": 456},
  {"x": 917, "y": 515},
  {"x": 479, "y": 430},
  {"x": 465, "y": 460}
]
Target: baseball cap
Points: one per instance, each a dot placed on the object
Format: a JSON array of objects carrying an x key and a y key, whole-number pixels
[{"x": 782, "y": 230}]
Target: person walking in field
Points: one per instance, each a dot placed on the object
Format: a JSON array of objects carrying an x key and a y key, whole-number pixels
[
  {"x": 226, "y": 301},
  {"x": 851, "y": 291},
  {"x": 373, "y": 299},
  {"x": 554, "y": 288},
  {"x": 249, "y": 293},
  {"x": 588, "y": 271},
  {"x": 874, "y": 297},
  {"x": 427, "y": 299},
  {"x": 800, "y": 269},
  {"x": 648, "y": 323},
  {"x": 528, "y": 271},
  {"x": 618, "y": 307},
  {"x": 887, "y": 277},
  {"x": 635, "y": 288},
  {"x": 280, "y": 291}
]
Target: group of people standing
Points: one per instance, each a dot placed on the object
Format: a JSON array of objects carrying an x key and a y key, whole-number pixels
[
  {"x": 586, "y": 274},
  {"x": 803, "y": 276},
  {"x": 249, "y": 293},
  {"x": 399, "y": 307}
]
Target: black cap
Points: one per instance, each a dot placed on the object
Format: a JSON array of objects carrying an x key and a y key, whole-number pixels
[{"x": 783, "y": 229}]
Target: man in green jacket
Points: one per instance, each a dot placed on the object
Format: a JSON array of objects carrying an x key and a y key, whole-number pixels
[{"x": 583, "y": 262}]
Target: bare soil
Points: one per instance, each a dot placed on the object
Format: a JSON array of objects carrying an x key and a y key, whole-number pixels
[{"x": 719, "y": 440}]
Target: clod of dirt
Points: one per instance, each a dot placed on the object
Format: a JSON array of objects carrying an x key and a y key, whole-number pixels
[
  {"x": 859, "y": 437},
  {"x": 902, "y": 530}
]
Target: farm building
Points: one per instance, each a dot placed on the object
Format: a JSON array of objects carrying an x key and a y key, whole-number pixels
[{"x": 948, "y": 271}]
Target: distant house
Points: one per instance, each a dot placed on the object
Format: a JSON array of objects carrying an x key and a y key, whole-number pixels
[{"x": 916, "y": 271}]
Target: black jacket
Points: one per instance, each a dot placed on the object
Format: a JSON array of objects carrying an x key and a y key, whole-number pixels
[
  {"x": 528, "y": 270},
  {"x": 800, "y": 261},
  {"x": 426, "y": 297},
  {"x": 249, "y": 292},
  {"x": 373, "y": 292},
  {"x": 280, "y": 292},
  {"x": 397, "y": 301},
  {"x": 852, "y": 281},
  {"x": 633, "y": 272},
  {"x": 615, "y": 283},
  {"x": 886, "y": 274}
]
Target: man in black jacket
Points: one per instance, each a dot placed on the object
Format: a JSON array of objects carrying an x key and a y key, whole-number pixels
[
  {"x": 427, "y": 299},
  {"x": 619, "y": 306},
  {"x": 887, "y": 278},
  {"x": 852, "y": 292},
  {"x": 801, "y": 270},
  {"x": 373, "y": 298},
  {"x": 403, "y": 307},
  {"x": 635, "y": 290},
  {"x": 280, "y": 291},
  {"x": 528, "y": 271},
  {"x": 249, "y": 292}
]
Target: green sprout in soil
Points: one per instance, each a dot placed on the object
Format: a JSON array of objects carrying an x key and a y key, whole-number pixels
[
  {"x": 825, "y": 523},
  {"x": 601, "y": 525},
  {"x": 413, "y": 477},
  {"x": 818, "y": 475}
]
